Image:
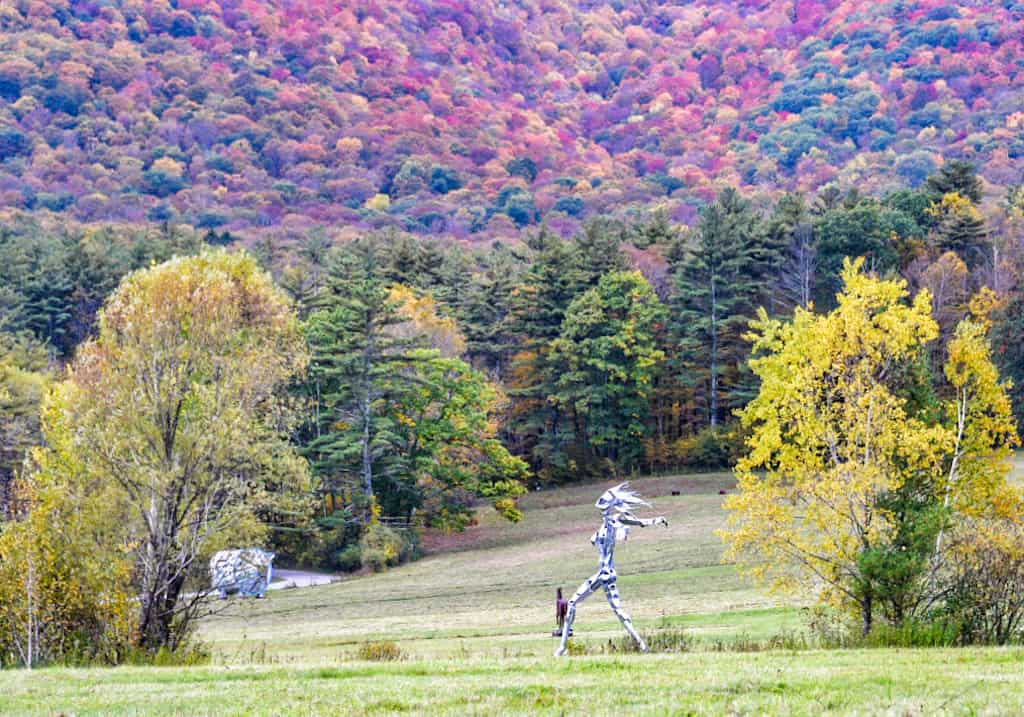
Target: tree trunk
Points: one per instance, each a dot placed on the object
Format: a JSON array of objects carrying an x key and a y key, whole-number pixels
[
  {"x": 367, "y": 457},
  {"x": 31, "y": 589},
  {"x": 158, "y": 599},
  {"x": 714, "y": 354},
  {"x": 866, "y": 613}
]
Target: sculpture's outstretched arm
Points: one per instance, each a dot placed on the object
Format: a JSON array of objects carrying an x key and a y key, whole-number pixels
[{"x": 628, "y": 518}]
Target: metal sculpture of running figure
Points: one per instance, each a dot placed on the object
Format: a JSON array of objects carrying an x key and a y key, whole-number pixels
[{"x": 614, "y": 504}]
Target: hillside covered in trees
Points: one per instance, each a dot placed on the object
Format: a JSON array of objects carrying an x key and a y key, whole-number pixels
[{"x": 477, "y": 119}]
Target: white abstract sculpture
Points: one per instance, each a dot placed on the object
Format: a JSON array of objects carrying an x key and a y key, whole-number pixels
[
  {"x": 614, "y": 504},
  {"x": 247, "y": 572}
]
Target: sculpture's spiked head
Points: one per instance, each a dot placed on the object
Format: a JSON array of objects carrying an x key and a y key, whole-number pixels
[{"x": 620, "y": 497}]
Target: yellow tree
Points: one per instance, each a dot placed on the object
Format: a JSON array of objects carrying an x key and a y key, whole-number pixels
[
  {"x": 851, "y": 475},
  {"x": 179, "y": 404},
  {"x": 23, "y": 382},
  {"x": 980, "y": 420},
  {"x": 422, "y": 320},
  {"x": 65, "y": 586}
]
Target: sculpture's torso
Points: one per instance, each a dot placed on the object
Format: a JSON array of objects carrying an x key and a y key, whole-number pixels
[{"x": 604, "y": 540}]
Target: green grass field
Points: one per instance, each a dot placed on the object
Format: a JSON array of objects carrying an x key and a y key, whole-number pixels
[{"x": 473, "y": 620}]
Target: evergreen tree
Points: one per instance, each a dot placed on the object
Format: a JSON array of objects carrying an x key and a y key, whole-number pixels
[
  {"x": 600, "y": 249},
  {"x": 956, "y": 176},
  {"x": 719, "y": 285},
  {"x": 868, "y": 229},
  {"x": 412, "y": 261},
  {"x": 789, "y": 234},
  {"x": 485, "y": 312},
  {"x": 539, "y": 304},
  {"x": 656, "y": 231},
  {"x": 36, "y": 284},
  {"x": 357, "y": 367},
  {"x": 303, "y": 278},
  {"x": 959, "y": 227},
  {"x": 452, "y": 278}
]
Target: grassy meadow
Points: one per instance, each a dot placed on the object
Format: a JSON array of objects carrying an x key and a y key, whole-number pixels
[{"x": 473, "y": 621}]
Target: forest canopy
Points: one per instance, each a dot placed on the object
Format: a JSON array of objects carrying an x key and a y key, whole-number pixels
[{"x": 480, "y": 119}]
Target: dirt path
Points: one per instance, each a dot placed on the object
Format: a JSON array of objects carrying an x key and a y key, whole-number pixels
[{"x": 299, "y": 579}]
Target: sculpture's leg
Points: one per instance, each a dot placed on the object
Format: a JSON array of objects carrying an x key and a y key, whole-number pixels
[
  {"x": 587, "y": 588},
  {"x": 615, "y": 601}
]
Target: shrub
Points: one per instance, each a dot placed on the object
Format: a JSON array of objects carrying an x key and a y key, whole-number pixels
[
  {"x": 382, "y": 651},
  {"x": 913, "y": 633},
  {"x": 786, "y": 640},
  {"x": 381, "y": 546},
  {"x": 188, "y": 655},
  {"x": 576, "y": 648},
  {"x": 348, "y": 559},
  {"x": 987, "y": 599},
  {"x": 374, "y": 559},
  {"x": 663, "y": 639},
  {"x": 832, "y": 629},
  {"x": 322, "y": 543},
  {"x": 711, "y": 448},
  {"x": 63, "y": 589}
]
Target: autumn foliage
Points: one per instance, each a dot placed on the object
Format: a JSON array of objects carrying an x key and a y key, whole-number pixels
[
  {"x": 476, "y": 118},
  {"x": 861, "y": 463}
]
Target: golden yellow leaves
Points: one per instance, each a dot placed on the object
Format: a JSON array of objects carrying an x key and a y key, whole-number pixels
[{"x": 833, "y": 434}]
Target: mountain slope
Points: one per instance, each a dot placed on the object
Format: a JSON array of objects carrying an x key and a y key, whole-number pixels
[{"x": 476, "y": 118}]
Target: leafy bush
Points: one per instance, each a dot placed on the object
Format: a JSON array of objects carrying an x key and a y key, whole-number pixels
[
  {"x": 988, "y": 581},
  {"x": 383, "y": 547},
  {"x": 711, "y": 448},
  {"x": 832, "y": 629},
  {"x": 913, "y": 633},
  {"x": 325, "y": 541},
  {"x": 65, "y": 597},
  {"x": 382, "y": 651},
  {"x": 375, "y": 559},
  {"x": 348, "y": 559},
  {"x": 191, "y": 654},
  {"x": 663, "y": 639}
]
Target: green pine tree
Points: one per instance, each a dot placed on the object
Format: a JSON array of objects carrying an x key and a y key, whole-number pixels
[
  {"x": 956, "y": 176},
  {"x": 960, "y": 228},
  {"x": 600, "y": 249},
  {"x": 719, "y": 283},
  {"x": 484, "y": 312},
  {"x": 539, "y": 303},
  {"x": 358, "y": 367}
]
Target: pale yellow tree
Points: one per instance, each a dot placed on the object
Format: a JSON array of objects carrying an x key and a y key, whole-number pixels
[
  {"x": 422, "y": 319},
  {"x": 65, "y": 588},
  {"x": 179, "y": 405}
]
